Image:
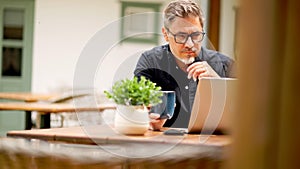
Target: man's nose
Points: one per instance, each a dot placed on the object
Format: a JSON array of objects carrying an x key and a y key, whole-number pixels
[{"x": 189, "y": 43}]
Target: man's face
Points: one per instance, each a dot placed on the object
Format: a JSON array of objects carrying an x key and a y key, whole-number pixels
[{"x": 187, "y": 51}]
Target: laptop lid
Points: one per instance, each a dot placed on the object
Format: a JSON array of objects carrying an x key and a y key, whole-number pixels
[{"x": 213, "y": 106}]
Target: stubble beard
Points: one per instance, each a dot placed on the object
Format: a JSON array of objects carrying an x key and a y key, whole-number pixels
[
  {"x": 187, "y": 61},
  {"x": 190, "y": 58}
]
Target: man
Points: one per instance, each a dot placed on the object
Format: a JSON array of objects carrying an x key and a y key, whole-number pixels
[{"x": 178, "y": 65}]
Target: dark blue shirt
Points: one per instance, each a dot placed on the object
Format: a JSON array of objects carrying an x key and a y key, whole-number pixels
[{"x": 159, "y": 65}]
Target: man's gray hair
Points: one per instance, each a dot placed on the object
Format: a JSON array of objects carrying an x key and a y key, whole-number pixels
[{"x": 182, "y": 9}]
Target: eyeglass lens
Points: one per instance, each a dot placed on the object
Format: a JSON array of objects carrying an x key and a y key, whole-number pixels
[{"x": 182, "y": 38}]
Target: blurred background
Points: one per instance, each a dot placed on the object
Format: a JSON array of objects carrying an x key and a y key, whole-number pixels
[{"x": 42, "y": 42}]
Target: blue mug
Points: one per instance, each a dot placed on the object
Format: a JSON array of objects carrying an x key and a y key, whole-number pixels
[{"x": 167, "y": 107}]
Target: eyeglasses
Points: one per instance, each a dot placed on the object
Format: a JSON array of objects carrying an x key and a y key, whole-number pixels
[{"x": 181, "y": 38}]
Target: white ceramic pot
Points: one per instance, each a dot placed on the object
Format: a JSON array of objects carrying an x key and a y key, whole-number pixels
[{"x": 131, "y": 120}]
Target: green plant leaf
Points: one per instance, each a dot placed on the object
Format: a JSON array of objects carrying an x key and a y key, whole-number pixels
[{"x": 135, "y": 92}]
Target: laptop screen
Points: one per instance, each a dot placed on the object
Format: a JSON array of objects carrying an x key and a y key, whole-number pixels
[{"x": 213, "y": 106}]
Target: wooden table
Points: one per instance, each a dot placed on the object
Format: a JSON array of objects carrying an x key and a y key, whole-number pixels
[
  {"x": 27, "y": 97},
  {"x": 123, "y": 152},
  {"x": 151, "y": 150},
  {"x": 31, "y": 102},
  {"x": 105, "y": 134},
  {"x": 47, "y": 109}
]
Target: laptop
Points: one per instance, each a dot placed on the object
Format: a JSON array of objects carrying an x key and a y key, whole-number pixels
[{"x": 213, "y": 107}]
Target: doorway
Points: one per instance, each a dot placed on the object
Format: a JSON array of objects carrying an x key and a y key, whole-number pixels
[{"x": 16, "y": 39}]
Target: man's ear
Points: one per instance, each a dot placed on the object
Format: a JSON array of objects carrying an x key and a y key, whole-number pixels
[{"x": 164, "y": 31}]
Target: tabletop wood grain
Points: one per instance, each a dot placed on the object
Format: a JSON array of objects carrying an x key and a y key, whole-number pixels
[
  {"x": 104, "y": 134},
  {"x": 53, "y": 107},
  {"x": 27, "y": 96}
]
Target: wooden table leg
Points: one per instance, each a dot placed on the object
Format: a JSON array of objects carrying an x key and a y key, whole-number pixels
[
  {"x": 28, "y": 121},
  {"x": 45, "y": 120}
]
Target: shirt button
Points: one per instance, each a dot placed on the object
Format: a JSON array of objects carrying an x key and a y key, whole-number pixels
[{"x": 186, "y": 87}]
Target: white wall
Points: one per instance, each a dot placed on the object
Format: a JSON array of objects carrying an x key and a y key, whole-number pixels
[{"x": 62, "y": 30}]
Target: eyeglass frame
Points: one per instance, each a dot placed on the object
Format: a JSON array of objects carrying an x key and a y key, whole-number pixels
[{"x": 188, "y": 35}]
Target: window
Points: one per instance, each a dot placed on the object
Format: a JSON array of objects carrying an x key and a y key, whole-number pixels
[{"x": 140, "y": 21}]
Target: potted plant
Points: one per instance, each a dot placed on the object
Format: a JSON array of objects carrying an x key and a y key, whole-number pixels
[{"x": 132, "y": 97}]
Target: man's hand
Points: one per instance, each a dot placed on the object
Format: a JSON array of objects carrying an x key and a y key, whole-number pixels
[
  {"x": 198, "y": 70},
  {"x": 155, "y": 122}
]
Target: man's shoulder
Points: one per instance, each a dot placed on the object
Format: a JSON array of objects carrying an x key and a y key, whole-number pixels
[
  {"x": 213, "y": 55},
  {"x": 222, "y": 64}
]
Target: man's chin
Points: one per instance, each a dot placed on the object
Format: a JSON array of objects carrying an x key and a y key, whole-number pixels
[{"x": 188, "y": 60}]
